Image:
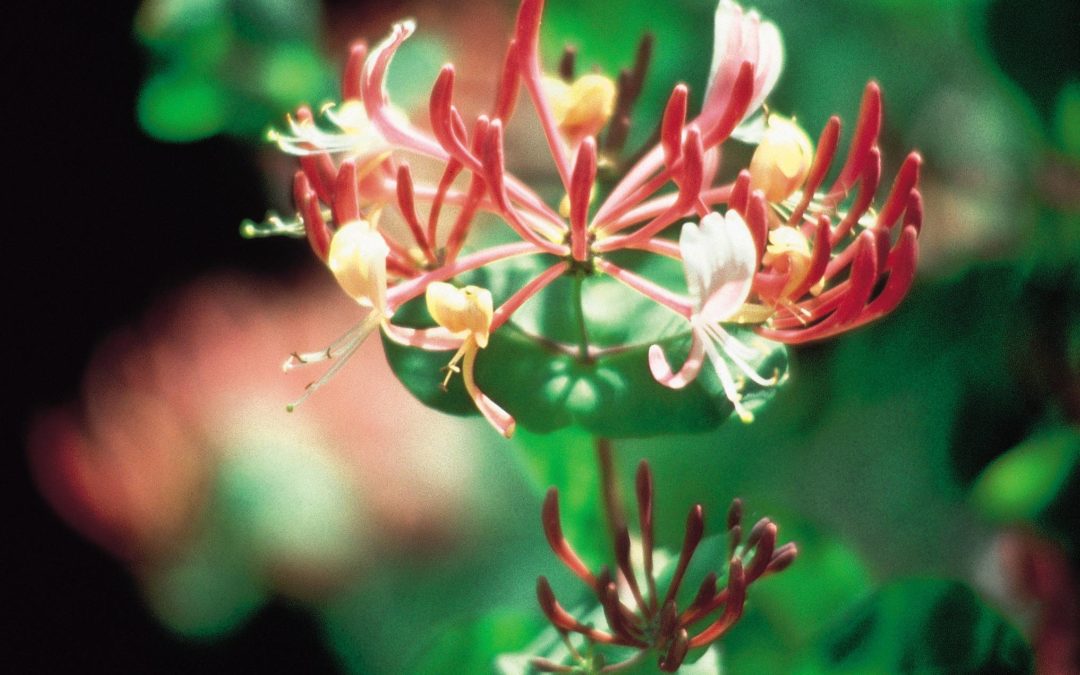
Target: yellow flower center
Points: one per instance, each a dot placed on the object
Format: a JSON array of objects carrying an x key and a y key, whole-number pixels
[{"x": 789, "y": 251}]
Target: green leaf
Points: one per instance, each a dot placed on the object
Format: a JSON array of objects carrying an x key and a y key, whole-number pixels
[
  {"x": 567, "y": 460},
  {"x": 182, "y": 107},
  {"x": 169, "y": 26},
  {"x": 683, "y": 47},
  {"x": 291, "y": 510},
  {"x": 546, "y": 389},
  {"x": 1022, "y": 483},
  {"x": 475, "y": 647},
  {"x": 546, "y": 386},
  {"x": 921, "y": 625},
  {"x": 292, "y": 73}
]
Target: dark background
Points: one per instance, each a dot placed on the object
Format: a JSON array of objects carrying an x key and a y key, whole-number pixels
[{"x": 104, "y": 220}]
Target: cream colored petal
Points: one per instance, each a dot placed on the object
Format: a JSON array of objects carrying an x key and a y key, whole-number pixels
[
  {"x": 357, "y": 259},
  {"x": 467, "y": 310}
]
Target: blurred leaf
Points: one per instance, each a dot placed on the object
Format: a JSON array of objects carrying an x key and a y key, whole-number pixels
[
  {"x": 1051, "y": 24},
  {"x": 416, "y": 65},
  {"x": 921, "y": 625},
  {"x": 229, "y": 67},
  {"x": 182, "y": 107},
  {"x": 273, "y": 20},
  {"x": 1021, "y": 484},
  {"x": 293, "y": 73},
  {"x": 683, "y": 47},
  {"x": 476, "y": 646},
  {"x": 291, "y": 508},
  {"x": 567, "y": 460},
  {"x": 167, "y": 25},
  {"x": 209, "y": 592},
  {"x": 1067, "y": 119},
  {"x": 784, "y": 612}
]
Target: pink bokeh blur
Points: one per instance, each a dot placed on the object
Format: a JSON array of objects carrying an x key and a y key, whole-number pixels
[{"x": 172, "y": 402}]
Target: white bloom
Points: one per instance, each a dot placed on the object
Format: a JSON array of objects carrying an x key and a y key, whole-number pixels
[
  {"x": 719, "y": 260},
  {"x": 353, "y": 133},
  {"x": 742, "y": 36}
]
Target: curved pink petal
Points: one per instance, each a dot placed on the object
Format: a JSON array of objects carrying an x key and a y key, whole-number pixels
[
  {"x": 740, "y": 36},
  {"x": 661, "y": 369},
  {"x": 435, "y": 339},
  {"x": 497, "y": 417},
  {"x": 377, "y": 105}
]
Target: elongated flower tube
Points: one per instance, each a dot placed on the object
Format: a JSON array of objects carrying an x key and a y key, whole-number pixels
[{"x": 791, "y": 258}]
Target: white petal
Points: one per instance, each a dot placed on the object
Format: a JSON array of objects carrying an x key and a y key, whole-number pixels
[
  {"x": 696, "y": 266},
  {"x": 751, "y": 130},
  {"x": 742, "y": 36},
  {"x": 718, "y": 259}
]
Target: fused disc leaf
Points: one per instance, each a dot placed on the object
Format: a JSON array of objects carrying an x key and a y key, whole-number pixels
[{"x": 533, "y": 368}]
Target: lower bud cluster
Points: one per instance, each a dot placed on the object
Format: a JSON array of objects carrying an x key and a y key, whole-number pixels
[{"x": 651, "y": 622}]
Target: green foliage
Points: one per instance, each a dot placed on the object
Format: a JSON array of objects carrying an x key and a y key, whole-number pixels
[
  {"x": 567, "y": 460},
  {"x": 182, "y": 106},
  {"x": 681, "y": 53},
  {"x": 211, "y": 590},
  {"x": 1023, "y": 483},
  {"x": 785, "y": 612},
  {"x": 924, "y": 626},
  {"x": 290, "y": 508},
  {"x": 1067, "y": 119},
  {"x": 227, "y": 67},
  {"x": 476, "y": 646}
]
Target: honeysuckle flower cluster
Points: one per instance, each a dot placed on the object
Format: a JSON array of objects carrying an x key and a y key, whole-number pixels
[
  {"x": 643, "y": 620},
  {"x": 775, "y": 248}
]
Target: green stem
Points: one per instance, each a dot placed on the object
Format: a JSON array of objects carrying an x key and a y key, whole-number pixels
[
  {"x": 609, "y": 485},
  {"x": 579, "y": 315}
]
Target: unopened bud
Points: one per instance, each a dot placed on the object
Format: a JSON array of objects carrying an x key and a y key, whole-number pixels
[
  {"x": 782, "y": 159},
  {"x": 584, "y": 107},
  {"x": 789, "y": 252}
]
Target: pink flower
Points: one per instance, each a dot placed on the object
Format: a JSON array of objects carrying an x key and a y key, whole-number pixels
[{"x": 811, "y": 263}]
